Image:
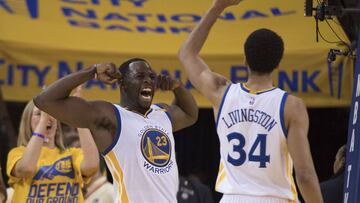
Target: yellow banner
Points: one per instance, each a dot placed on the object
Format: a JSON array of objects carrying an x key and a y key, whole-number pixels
[{"x": 42, "y": 40}]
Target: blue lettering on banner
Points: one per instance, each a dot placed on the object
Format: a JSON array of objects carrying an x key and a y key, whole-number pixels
[
  {"x": 176, "y": 30},
  {"x": 227, "y": 16},
  {"x": 91, "y": 14},
  {"x": 64, "y": 68},
  {"x": 31, "y": 5},
  {"x": 253, "y": 14},
  {"x": 69, "y": 12},
  {"x": 141, "y": 17},
  {"x": 307, "y": 81},
  {"x": 87, "y": 13},
  {"x": 75, "y": 1},
  {"x": 119, "y": 27},
  {"x": 292, "y": 83},
  {"x": 25, "y": 70},
  {"x": 186, "y": 18},
  {"x": 89, "y": 18},
  {"x": 115, "y": 3},
  {"x": 116, "y": 16},
  {"x": 39, "y": 73},
  {"x": 19, "y": 74},
  {"x": 277, "y": 12},
  {"x": 87, "y": 24},
  {"x": 155, "y": 29},
  {"x": 4, "y": 5}
]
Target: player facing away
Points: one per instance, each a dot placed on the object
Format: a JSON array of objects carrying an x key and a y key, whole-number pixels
[
  {"x": 262, "y": 130},
  {"x": 135, "y": 137}
]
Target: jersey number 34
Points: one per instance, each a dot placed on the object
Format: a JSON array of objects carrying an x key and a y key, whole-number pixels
[{"x": 260, "y": 141}]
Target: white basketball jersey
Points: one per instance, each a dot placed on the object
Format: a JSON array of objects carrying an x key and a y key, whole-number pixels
[
  {"x": 254, "y": 156},
  {"x": 142, "y": 157}
]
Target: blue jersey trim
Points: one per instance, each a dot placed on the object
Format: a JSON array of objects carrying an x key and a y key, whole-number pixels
[
  {"x": 282, "y": 113},
  {"x": 246, "y": 89},
  {"x": 167, "y": 113},
  {"x": 117, "y": 134},
  {"x": 261, "y": 92},
  {"x": 221, "y": 105}
]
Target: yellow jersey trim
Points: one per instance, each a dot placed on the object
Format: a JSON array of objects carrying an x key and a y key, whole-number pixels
[{"x": 118, "y": 174}]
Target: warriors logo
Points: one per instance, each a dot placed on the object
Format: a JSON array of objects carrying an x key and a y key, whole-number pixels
[{"x": 156, "y": 147}]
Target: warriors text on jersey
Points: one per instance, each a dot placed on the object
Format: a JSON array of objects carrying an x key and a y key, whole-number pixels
[
  {"x": 142, "y": 157},
  {"x": 254, "y": 156}
]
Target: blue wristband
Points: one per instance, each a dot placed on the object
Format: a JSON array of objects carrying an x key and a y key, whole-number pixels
[
  {"x": 38, "y": 135},
  {"x": 41, "y": 136}
]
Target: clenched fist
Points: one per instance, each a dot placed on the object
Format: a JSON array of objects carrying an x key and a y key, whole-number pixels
[{"x": 107, "y": 73}]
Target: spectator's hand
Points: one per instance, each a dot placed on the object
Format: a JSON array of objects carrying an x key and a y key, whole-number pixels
[
  {"x": 340, "y": 159},
  {"x": 47, "y": 125},
  {"x": 107, "y": 73},
  {"x": 225, "y": 3},
  {"x": 164, "y": 82}
]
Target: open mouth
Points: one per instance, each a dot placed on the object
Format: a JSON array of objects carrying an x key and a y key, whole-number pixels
[
  {"x": 48, "y": 127},
  {"x": 146, "y": 93}
]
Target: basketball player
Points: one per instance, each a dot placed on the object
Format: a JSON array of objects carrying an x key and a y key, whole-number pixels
[
  {"x": 262, "y": 130},
  {"x": 135, "y": 137}
]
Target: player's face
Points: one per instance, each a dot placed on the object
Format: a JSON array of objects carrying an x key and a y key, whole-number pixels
[{"x": 140, "y": 84}]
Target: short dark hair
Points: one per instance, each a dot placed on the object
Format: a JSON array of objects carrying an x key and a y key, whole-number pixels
[
  {"x": 263, "y": 51},
  {"x": 124, "y": 67}
]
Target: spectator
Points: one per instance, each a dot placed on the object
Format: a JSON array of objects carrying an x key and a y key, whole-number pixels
[
  {"x": 333, "y": 189},
  {"x": 41, "y": 169},
  {"x": 191, "y": 190}
]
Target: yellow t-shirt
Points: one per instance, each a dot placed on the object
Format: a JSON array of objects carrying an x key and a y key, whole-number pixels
[{"x": 57, "y": 179}]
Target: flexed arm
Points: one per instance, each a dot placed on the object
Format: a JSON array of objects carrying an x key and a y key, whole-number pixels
[
  {"x": 183, "y": 110},
  {"x": 98, "y": 116},
  {"x": 56, "y": 101},
  {"x": 210, "y": 84}
]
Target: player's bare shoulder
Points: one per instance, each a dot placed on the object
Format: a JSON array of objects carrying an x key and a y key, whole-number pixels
[
  {"x": 295, "y": 110},
  {"x": 105, "y": 116}
]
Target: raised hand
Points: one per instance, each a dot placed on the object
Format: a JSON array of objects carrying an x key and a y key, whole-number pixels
[
  {"x": 47, "y": 125},
  {"x": 107, "y": 73},
  {"x": 165, "y": 82},
  {"x": 225, "y": 3}
]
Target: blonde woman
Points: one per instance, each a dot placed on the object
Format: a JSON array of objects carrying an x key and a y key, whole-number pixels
[{"x": 40, "y": 169}]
